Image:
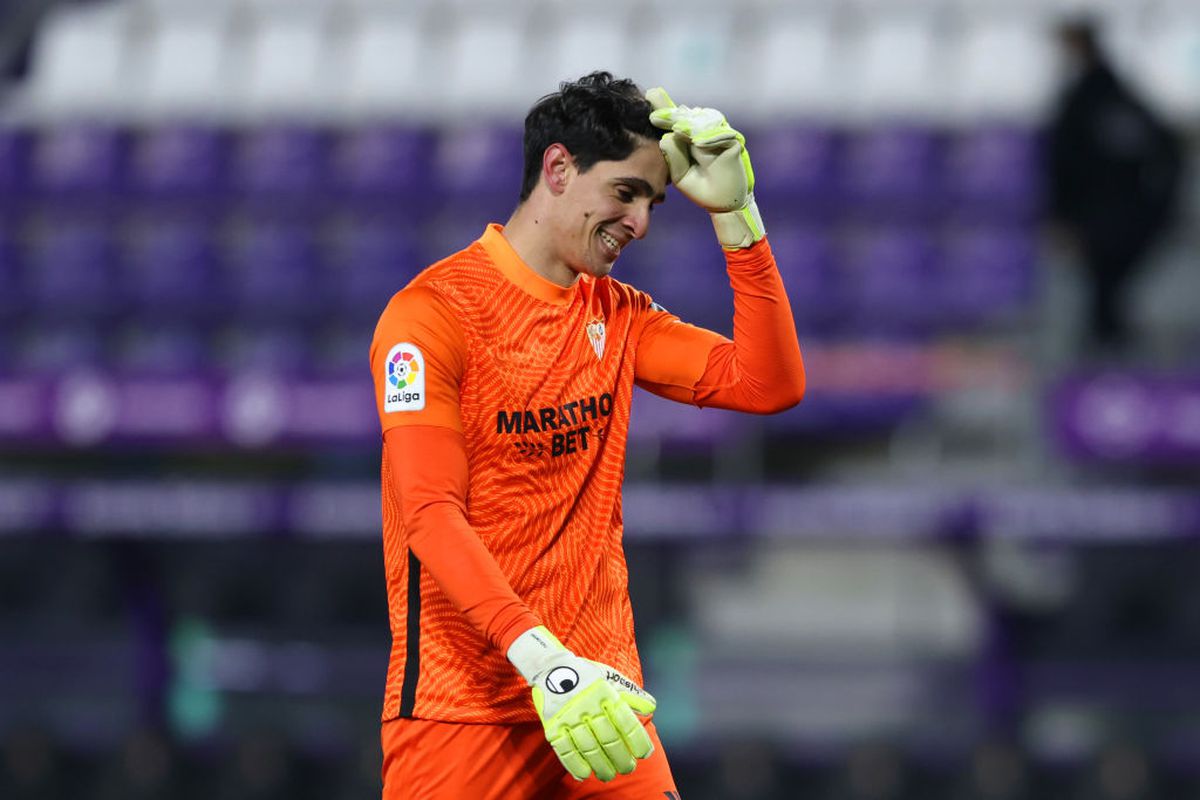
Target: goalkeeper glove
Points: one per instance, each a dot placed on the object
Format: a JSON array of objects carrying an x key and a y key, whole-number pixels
[
  {"x": 588, "y": 709},
  {"x": 708, "y": 162}
]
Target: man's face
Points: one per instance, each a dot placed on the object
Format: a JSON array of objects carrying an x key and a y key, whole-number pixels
[{"x": 607, "y": 207}]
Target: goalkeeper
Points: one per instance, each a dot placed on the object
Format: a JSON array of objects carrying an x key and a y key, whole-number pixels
[{"x": 503, "y": 379}]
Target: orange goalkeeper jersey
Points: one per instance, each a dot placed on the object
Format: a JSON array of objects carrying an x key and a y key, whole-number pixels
[{"x": 537, "y": 379}]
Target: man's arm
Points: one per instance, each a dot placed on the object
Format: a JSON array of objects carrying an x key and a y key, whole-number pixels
[
  {"x": 432, "y": 491},
  {"x": 761, "y": 370}
]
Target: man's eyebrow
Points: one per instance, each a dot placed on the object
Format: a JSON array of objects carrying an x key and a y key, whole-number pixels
[{"x": 642, "y": 188}]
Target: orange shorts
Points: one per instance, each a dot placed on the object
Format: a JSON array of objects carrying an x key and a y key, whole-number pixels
[{"x": 431, "y": 760}]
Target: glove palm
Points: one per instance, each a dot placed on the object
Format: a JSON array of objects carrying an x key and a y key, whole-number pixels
[{"x": 708, "y": 163}]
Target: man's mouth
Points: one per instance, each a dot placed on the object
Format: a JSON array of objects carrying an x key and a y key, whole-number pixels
[{"x": 610, "y": 243}]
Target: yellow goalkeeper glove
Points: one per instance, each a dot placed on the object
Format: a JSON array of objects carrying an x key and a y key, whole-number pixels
[
  {"x": 708, "y": 162},
  {"x": 589, "y": 710}
]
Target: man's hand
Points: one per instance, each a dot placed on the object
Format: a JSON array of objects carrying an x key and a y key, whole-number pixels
[
  {"x": 708, "y": 162},
  {"x": 589, "y": 710}
]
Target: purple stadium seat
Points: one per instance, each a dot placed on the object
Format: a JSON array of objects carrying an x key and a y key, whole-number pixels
[
  {"x": 14, "y": 154},
  {"x": 683, "y": 269},
  {"x": 806, "y": 259},
  {"x": 56, "y": 348},
  {"x": 796, "y": 170},
  {"x": 994, "y": 172},
  {"x": 373, "y": 259},
  {"x": 262, "y": 349},
  {"x": 69, "y": 269},
  {"x": 478, "y": 170},
  {"x": 892, "y": 173},
  {"x": 179, "y": 162},
  {"x": 11, "y": 293},
  {"x": 273, "y": 273},
  {"x": 385, "y": 167},
  {"x": 986, "y": 274},
  {"x": 281, "y": 166},
  {"x": 679, "y": 426},
  {"x": 78, "y": 163},
  {"x": 161, "y": 350},
  {"x": 339, "y": 350},
  {"x": 169, "y": 270},
  {"x": 890, "y": 273}
]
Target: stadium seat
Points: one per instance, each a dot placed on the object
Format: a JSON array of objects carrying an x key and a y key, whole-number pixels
[
  {"x": 287, "y": 71},
  {"x": 385, "y": 167},
  {"x": 892, "y": 172},
  {"x": 11, "y": 295},
  {"x": 479, "y": 168},
  {"x": 797, "y": 66},
  {"x": 655, "y": 421},
  {"x": 186, "y": 63},
  {"x": 977, "y": 91},
  {"x": 1166, "y": 61},
  {"x": 993, "y": 172},
  {"x": 486, "y": 65},
  {"x": 888, "y": 271},
  {"x": 806, "y": 258},
  {"x": 896, "y": 69},
  {"x": 252, "y": 346},
  {"x": 372, "y": 259},
  {"x": 81, "y": 61},
  {"x": 14, "y": 155},
  {"x": 272, "y": 272},
  {"x": 161, "y": 350},
  {"x": 692, "y": 55},
  {"x": 78, "y": 163},
  {"x": 584, "y": 40},
  {"x": 795, "y": 170},
  {"x": 170, "y": 270},
  {"x": 69, "y": 270},
  {"x": 57, "y": 348},
  {"x": 180, "y": 163},
  {"x": 985, "y": 275},
  {"x": 382, "y": 62},
  {"x": 682, "y": 267},
  {"x": 280, "y": 167}
]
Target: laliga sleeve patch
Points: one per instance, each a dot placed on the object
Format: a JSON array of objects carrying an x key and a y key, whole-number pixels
[{"x": 404, "y": 379}]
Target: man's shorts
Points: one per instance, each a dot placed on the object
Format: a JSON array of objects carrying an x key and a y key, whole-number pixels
[{"x": 430, "y": 760}]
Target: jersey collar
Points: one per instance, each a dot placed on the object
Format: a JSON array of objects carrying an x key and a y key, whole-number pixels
[{"x": 517, "y": 271}]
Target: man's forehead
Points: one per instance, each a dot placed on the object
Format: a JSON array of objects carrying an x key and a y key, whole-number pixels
[{"x": 644, "y": 170}]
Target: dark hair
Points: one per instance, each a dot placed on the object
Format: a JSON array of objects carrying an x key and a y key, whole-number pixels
[{"x": 597, "y": 118}]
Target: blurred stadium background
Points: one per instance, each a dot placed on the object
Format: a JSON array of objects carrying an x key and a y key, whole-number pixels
[{"x": 964, "y": 567}]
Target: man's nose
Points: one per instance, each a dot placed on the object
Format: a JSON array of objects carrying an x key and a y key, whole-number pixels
[{"x": 638, "y": 221}]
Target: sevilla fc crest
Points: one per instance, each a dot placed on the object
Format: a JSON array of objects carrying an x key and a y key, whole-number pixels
[{"x": 595, "y": 334}]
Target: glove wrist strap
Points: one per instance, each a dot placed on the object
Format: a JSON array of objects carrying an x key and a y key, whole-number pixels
[
  {"x": 740, "y": 228},
  {"x": 533, "y": 650}
]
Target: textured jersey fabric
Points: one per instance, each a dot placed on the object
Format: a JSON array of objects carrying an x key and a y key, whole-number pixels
[{"x": 533, "y": 382}]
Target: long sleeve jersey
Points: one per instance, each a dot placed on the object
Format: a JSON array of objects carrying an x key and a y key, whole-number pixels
[{"x": 504, "y": 401}]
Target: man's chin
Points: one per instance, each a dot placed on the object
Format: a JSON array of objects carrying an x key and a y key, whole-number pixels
[{"x": 600, "y": 269}]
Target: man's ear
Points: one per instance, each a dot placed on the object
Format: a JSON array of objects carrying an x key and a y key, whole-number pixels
[{"x": 558, "y": 166}]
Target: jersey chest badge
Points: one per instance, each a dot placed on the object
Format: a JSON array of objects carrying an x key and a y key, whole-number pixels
[{"x": 595, "y": 334}]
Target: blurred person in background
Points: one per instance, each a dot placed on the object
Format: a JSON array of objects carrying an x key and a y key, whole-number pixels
[
  {"x": 1114, "y": 173},
  {"x": 504, "y": 377}
]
